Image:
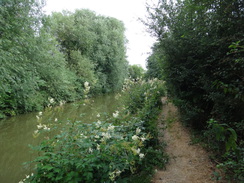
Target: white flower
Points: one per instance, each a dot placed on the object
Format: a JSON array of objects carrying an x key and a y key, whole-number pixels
[
  {"x": 106, "y": 135},
  {"x": 97, "y": 137},
  {"x": 138, "y": 130},
  {"x": 98, "y": 147},
  {"x": 103, "y": 139},
  {"x": 56, "y": 119},
  {"x": 141, "y": 155},
  {"x": 62, "y": 102},
  {"x": 37, "y": 117},
  {"x": 118, "y": 172},
  {"x": 45, "y": 127},
  {"x": 27, "y": 176},
  {"x": 51, "y": 100},
  {"x": 82, "y": 135},
  {"x": 143, "y": 139},
  {"x": 112, "y": 176},
  {"x": 135, "y": 151},
  {"x": 90, "y": 150},
  {"x": 116, "y": 114},
  {"x": 98, "y": 115},
  {"x": 110, "y": 127},
  {"x": 39, "y": 126},
  {"x": 98, "y": 124},
  {"x": 21, "y": 181},
  {"x": 138, "y": 151},
  {"x": 40, "y": 113},
  {"x": 36, "y": 132},
  {"x": 135, "y": 137},
  {"x": 86, "y": 84}
]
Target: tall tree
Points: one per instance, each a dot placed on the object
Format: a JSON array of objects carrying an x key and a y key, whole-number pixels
[
  {"x": 202, "y": 45},
  {"x": 194, "y": 38},
  {"x": 136, "y": 72},
  {"x": 99, "y": 40},
  {"x": 32, "y": 68},
  {"x": 154, "y": 63}
]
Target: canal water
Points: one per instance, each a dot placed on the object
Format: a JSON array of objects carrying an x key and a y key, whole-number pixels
[{"x": 16, "y": 133}]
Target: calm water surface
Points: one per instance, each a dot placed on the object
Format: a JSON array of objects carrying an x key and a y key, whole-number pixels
[{"x": 16, "y": 133}]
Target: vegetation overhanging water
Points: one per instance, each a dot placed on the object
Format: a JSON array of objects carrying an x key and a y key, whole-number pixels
[{"x": 16, "y": 133}]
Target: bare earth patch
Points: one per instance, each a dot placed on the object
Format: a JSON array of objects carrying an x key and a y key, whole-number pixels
[{"x": 188, "y": 163}]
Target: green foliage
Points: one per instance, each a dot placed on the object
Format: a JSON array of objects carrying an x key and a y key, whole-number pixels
[
  {"x": 135, "y": 71},
  {"x": 100, "y": 40},
  {"x": 154, "y": 64},
  {"x": 31, "y": 65},
  {"x": 144, "y": 100},
  {"x": 200, "y": 49},
  {"x": 42, "y": 57},
  {"x": 221, "y": 134},
  {"x": 120, "y": 148},
  {"x": 92, "y": 152},
  {"x": 223, "y": 140},
  {"x": 233, "y": 164}
]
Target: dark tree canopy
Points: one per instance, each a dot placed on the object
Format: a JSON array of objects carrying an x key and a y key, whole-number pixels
[{"x": 201, "y": 50}]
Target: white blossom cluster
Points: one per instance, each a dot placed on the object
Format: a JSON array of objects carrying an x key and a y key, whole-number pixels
[
  {"x": 26, "y": 177},
  {"x": 116, "y": 114},
  {"x": 87, "y": 89}
]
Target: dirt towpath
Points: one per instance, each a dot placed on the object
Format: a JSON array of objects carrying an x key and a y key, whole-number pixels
[{"x": 188, "y": 163}]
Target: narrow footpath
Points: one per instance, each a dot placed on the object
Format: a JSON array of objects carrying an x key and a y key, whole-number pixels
[{"x": 188, "y": 163}]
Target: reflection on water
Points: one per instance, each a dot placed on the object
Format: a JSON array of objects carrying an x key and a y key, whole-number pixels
[{"x": 16, "y": 133}]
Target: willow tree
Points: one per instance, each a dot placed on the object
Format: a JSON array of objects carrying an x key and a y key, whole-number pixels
[
  {"x": 31, "y": 66},
  {"x": 97, "y": 41}
]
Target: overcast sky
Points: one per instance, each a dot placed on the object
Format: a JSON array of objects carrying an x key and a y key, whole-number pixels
[{"x": 127, "y": 11}]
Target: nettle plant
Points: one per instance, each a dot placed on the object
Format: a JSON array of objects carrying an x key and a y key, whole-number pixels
[{"x": 95, "y": 152}]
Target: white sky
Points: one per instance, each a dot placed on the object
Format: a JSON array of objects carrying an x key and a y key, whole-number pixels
[{"x": 127, "y": 11}]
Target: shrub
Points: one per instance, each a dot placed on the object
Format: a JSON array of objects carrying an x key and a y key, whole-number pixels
[{"x": 110, "y": 150}]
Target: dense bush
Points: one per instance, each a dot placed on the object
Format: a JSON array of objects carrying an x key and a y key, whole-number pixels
[
  {"x": 114, "y": 148},
  {"x": 200, "y": 48},
  {"x": 144, "y": 99}
]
